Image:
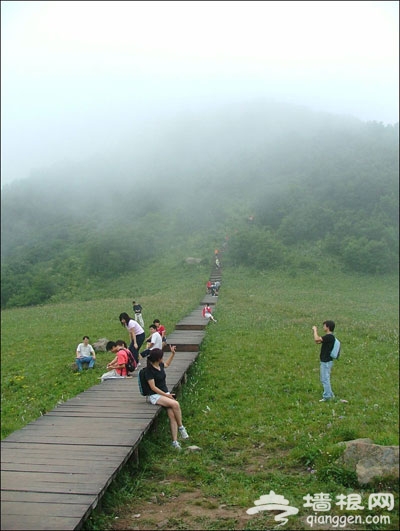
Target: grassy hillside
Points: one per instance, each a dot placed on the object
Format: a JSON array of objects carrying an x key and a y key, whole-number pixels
[
  {"x": 251, "y": 404},
  {"x": 251, "y": 401},
  {"x": 311, "y": 181}
]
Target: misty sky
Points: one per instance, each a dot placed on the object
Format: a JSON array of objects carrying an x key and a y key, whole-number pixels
[{"x": 76, "y": 76}]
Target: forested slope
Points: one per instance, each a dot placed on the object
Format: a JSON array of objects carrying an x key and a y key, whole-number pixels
[{"x": 316, "y": 185}]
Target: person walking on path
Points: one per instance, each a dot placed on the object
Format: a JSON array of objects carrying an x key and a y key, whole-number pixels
[
  {"x": 157, "y": 393},
  {"x": 207, "y": 313},
  {"x": 136, "y": 334},
  {"x": 327, "y": 341},
  {"x": 153, "y": 341},
  {"x": 137, "y": 308},
  {"x": 85, "y": 354}
]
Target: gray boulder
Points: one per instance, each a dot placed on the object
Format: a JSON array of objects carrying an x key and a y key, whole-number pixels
[
  {"x": 100, "y": 345},
  {"x": 370, "y": 461},
  {"x": 190, "y": 260}
]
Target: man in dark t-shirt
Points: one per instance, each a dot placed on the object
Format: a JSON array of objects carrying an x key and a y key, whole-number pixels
[{"x": 327, "y": 341}]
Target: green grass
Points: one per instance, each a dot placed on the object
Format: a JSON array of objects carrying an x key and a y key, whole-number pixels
[{"x": 251, "y": 400}]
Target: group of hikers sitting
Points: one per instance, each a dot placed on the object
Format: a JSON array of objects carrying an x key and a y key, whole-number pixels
[
  {"x": 126, "y": 357},
  {"x": 212, "y": 288},
  {"x": 152, "y": 378}
]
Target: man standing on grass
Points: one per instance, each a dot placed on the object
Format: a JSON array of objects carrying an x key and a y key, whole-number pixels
[
  {"x": 327, "y": 341},
  {"x": 137, "y": 308}
]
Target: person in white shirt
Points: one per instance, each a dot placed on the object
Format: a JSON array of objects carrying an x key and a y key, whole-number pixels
[
  {"x": 136, "y": 334},
  {"x": 85, "y": 354},
  {"x": 155, "y": 341}
]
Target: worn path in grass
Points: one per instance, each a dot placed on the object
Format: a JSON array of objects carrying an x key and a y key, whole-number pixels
[{"x": 55, "y": 470}]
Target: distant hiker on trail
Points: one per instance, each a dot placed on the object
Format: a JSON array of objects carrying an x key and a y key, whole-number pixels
[
  {"x": 327, "y": 341},
  {"x": 207, "y": 313},
  {"x": 136, "y": 334},
  {"x": 217, "y": 263},
  {"x": 137, "y": 308},
  {"x": 85, "y": 354},
  {"x": 153, "y": 341},
  {"x": 156, "y": 391}
]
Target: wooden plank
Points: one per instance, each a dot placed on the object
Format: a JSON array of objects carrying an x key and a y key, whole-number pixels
[
  {"x": 41, "y": 522},
  {"x": 209, "y": 299},
  {"x": 188, "y": 340},
  {"x": 57, "y": 483},
  {"x": 45, "y": 497},
  {"x": 36, "y": 509},
  {"x": 98, "y": 453}
]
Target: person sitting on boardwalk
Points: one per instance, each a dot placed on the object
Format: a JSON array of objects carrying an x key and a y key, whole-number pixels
[
  {"x": 157, "y": 393},
  {"x": 208, "y": 287},
  {"x": 153, "y": 341},
  {"x": 214, "y": 290},
  {"x": 85, "y": 354},
  {"x": 161, "y": 330},
  {"x": 132, "y": 365},
  {"x": 136, "y": 334},
  {"x": 207, "y": 313},
  {"x": 120, "y": 360}
]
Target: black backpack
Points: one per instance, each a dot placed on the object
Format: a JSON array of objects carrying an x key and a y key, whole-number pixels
[
  {"x": 131, "y": 363},
  {"x": 144, "y": 387}
]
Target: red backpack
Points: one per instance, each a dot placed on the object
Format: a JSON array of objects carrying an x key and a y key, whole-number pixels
[{"x": 131, "y": 363}]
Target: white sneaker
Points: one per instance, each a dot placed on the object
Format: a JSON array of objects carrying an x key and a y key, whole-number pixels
[
  {"x": 176, "y": 445},
  {"x": 183, "y": 433}
]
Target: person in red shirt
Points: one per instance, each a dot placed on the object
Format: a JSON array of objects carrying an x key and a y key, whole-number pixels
[
  {"x": 207, "y": 313},
  {"x": 120, "y": 360},
  {"x": 161, "y": 330}
]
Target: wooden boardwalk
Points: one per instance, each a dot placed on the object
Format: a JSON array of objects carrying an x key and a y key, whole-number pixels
[{"x": 55, "y": 470}]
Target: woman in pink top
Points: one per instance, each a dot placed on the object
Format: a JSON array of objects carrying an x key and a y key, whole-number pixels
[{"x": 136, "y": 334}]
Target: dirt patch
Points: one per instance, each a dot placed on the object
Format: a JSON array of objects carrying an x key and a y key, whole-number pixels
[{"x": 189, "y": 510}]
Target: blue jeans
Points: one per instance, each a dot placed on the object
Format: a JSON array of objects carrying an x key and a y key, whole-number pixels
[
  {"x": 139, "y": 340},
  {"x": 86, "y": 359},
  {"x": 325, "y": 376}
]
